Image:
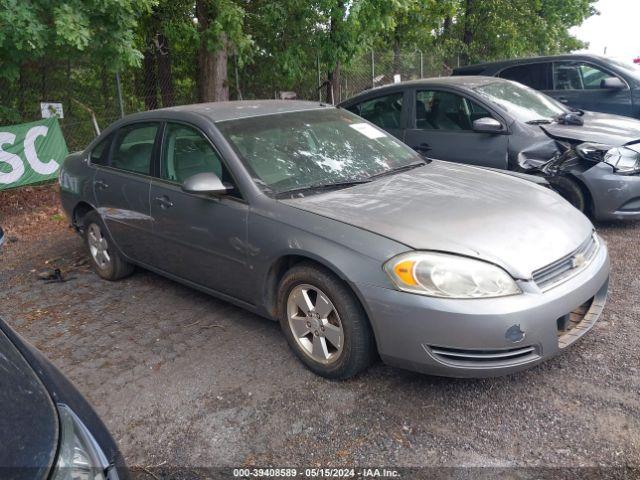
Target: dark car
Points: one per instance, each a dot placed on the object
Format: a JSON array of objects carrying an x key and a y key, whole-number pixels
[
  {"x": 309, "y": 215},
  {"x": 586, "y": 82},
  {"x": 592, "y": 159},
  {"x": 47, "y": 429}
]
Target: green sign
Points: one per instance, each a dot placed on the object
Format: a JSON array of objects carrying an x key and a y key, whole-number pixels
[{"x": 30, "y": 153}]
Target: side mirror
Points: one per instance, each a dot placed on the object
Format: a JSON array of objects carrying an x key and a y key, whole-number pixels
[
  {"x": 612, "y": 83},
  {"x": 487, "y": 125},
  {"x": 204, "y": 183}
]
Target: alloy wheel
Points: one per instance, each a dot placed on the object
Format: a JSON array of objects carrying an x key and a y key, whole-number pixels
[
  {"x": 98, "y": 246},
  {"x": 315, "y": 323}
]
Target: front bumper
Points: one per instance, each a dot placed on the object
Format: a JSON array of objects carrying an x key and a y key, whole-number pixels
[
  {"x": 615, "y": 196},
  {"x": 485, "y": 337}
]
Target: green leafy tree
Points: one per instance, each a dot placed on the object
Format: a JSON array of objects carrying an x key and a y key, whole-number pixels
[
  {"x": 283, "y": 57},
  {"x": 343, "y": 28},
  {"x": 167, "y": 27},
  {"x": 221, "y": 32},
  {"x": 415, "y": 26},
  {"x": 491, "y": 29},
  {"x": 292, "y": 35},
  {"x": 66, "y": 50},
  {"x": 99, "y": 29}
]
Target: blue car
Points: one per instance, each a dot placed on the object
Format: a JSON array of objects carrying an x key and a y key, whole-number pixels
[{"x": 585, "y": 82}]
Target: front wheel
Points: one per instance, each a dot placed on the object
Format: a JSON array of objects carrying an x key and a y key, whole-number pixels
[
  {"x": 324, "y": 323},
  {"x": 105, "y": 259},
  {"x": 571, "y": 191}
]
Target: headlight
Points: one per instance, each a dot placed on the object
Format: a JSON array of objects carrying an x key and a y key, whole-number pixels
[
  {"x": 592, "y": 151},
  {"x": 79, "y": 455},
  {"x": 624, "y": 160},
  {"x": 449, "y": 276}
]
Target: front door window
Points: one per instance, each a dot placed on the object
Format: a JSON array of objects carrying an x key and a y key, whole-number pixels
[
  {"x": 438, "y": 110},
  {"x": 186, "y": 153},
  {"x": 578, "y": 76}
]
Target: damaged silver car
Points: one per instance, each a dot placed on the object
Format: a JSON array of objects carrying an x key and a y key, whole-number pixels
[{"x": 591, "y": 159}]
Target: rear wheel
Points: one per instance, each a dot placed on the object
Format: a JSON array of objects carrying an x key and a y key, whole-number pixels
[
  {"x": 571, "y": 191},
  {"x": 105, "y": 259},
  {"x": 324, "y": 323}
]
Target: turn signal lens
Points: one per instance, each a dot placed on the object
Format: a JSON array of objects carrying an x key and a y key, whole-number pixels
[{"x": 404, "y": 271}]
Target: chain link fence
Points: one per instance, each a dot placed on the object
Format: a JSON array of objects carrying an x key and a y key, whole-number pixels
[
  {"x": 375, "y": 69},
  {"x": 93, "y": 98},
  {"x": 85, "y": 92}
]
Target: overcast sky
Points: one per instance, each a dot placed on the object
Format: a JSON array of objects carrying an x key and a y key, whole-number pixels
[{"x": 617, "y": 28}]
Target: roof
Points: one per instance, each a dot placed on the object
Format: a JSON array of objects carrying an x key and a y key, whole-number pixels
[
  {"x": 515, "y": 61},
  {"x": 215, "y": 112},
  {"x": 221, "y": 111},
  {"x": 469, "y": 82}
]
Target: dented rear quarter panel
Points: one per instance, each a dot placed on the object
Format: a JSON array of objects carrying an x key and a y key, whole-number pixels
[{"x": 76, "y": 182}]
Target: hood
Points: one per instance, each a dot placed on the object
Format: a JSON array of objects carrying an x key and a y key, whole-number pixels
[
  {"x": 613, "y": 130},
  {"x": 466, "y": 210},
  {"x": 29, "y": 422}
]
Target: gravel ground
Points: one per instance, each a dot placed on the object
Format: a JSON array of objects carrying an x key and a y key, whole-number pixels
[{"x": 185, "y": 380}]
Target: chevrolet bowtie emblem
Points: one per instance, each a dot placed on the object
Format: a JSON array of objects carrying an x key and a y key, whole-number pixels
[{"x": 578, "y": 260}]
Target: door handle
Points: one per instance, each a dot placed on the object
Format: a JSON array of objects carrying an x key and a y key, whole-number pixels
[
  {"x": 164, "y": 202},
  {"x": 422, "y": 148},
  {"x": 100, "y": 185},
  {"x": 563, "y": 100}
]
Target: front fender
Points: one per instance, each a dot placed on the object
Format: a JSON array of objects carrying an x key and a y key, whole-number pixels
[{"x": 353, "y": 254}]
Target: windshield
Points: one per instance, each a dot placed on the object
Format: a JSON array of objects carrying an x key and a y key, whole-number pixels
[
  {"x": 524, "y": 103},
  {"x": 630, "y": 68},
  {"x": 291, "y": 151}
]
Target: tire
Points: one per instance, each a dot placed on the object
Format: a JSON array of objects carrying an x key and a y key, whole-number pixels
[
  {"x": 571, "y": 191},
  {"x": 104, "y": 257},
  {"x": 333, "y": 358}
]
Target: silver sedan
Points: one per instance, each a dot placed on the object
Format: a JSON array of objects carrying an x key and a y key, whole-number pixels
[{"x": 359, "y": 247}]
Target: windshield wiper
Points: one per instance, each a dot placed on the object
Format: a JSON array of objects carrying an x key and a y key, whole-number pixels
[
  {"x": 350, "y": 183},
  {"x": 322, "y": 186},
  {"x": 539, "y": 121},
  {"x": 402, "y": 168}
]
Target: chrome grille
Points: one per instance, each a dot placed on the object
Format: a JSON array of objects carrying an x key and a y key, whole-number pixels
[{"x": 565, "y": 268}]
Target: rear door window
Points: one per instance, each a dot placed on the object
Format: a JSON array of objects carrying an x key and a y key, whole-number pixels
[
  {"x": 100, "y": 153},
  {"x": 534, "y": 75},
  {"x": 133, "y": 149},
  {"x": 386, "y": 112},
  {"x": 566, "y": 76}
]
